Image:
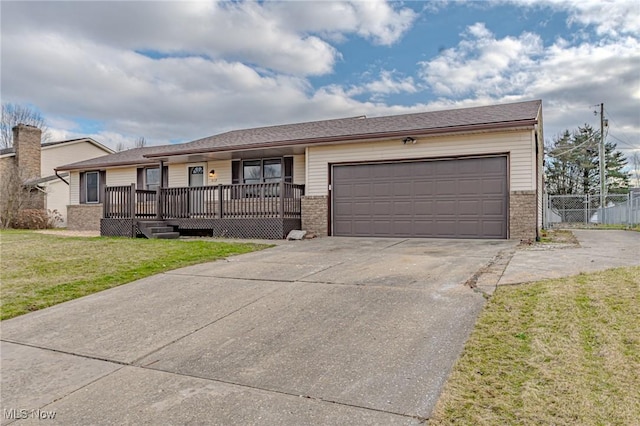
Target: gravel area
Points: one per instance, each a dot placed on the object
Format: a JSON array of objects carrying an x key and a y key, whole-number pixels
[{"x": 65, "y": 233}]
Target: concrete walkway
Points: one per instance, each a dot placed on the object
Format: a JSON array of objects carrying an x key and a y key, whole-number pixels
[
  {"x": 328, "y": 331},
  {"x": 598, "y": 250}
]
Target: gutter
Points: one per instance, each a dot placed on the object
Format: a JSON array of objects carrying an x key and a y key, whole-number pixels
[
  {"x": 61, "y": 178},
  {"x": 349, "y": 138}
]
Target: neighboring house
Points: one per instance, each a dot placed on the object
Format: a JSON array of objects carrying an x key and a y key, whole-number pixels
[
  {"x": 36, "y": 162},
  {"x": 463, "y": 173}
]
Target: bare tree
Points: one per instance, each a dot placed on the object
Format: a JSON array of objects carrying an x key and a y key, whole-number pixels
[
  {"x": 15, "y": 194},
  {"x": 141, "y": 142},
  {"x": 120, "y": 146},
  {"x": 14, "y": 114}
]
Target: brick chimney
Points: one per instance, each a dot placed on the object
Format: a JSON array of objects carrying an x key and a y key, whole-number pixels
[{"x": 26, "y": 141}]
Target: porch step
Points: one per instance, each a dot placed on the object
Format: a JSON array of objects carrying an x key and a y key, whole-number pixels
[
  {"x": 157, "y": 229},
  {"x": 166, "y": 235}
]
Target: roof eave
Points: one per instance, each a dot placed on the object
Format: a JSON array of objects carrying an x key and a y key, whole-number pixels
[
  {"x": 72, "y": 167},
  {"x": 358, "y": 137}
]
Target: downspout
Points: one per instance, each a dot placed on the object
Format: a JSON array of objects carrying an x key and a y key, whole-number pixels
[{"x": 61, "y": 178}]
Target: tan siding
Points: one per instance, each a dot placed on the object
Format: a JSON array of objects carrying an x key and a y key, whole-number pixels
[
  {"x": 517, "y": 144},
  {"x": 178, "y": 175},
  {"x": 223, "y": 172},
  {"x": 122, "y": 177},
  {"x": 74, "y": 188},
  {"x": 59, "y": 155},
  {"x": 57, "y": 199},
  {"x": 299, "y": 169}
]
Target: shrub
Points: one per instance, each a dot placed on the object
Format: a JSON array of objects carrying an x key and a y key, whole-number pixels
[
  {"x": 31, "y": 219},
  {"x": 54, "y": 218}
]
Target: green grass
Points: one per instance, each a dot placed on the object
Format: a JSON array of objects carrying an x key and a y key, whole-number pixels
[
  {"x": 40, "y": 270},
  {"x": 562, "y": 352}
]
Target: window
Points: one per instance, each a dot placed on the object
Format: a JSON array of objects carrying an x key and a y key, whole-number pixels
[
  {"x": 92, "y": 187},
  {"x": 258, "y": 171},
  {"x": 252, "y": 171},
  {"x": 272, "y": 170},
  {"x": 152, "y": 178}
]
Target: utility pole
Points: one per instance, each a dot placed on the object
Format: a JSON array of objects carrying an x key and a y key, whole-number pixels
[{"x": 603, "y": 186}]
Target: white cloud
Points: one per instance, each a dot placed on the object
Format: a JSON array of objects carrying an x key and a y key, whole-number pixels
[
  {"x": 388, "y": 82},
  {"x": 281, "y": 36},
  {"x": 610, "y": 18},
  {"x": 569, "y": 78},
  {"x": 483, "y": 65}
]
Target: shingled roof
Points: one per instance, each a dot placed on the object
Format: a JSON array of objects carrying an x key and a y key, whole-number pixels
[
  {"x": 12, "y": 150},
  {"x": 345, "y": 130},
  {"x": 358, "y": 128},
  {"x": 123, "y": 158}
]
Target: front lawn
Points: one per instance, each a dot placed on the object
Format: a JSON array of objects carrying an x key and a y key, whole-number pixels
[
  {"x": 555, "y": 352},
  {"x": 40, "y": 270}
]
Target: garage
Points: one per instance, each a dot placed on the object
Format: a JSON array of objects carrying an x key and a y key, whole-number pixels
[{"x": 443, "y": 198}]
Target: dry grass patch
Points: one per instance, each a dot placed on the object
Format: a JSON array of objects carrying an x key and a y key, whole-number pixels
[
  {"x": 562, "y": 352},
  {"x": 40, "y": 270}
]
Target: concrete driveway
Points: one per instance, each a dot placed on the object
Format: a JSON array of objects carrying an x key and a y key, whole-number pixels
[{"x": 328, "y": 331}]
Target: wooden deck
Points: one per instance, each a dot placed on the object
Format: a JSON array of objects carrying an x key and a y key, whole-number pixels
[{"x": 265, "y": 210}]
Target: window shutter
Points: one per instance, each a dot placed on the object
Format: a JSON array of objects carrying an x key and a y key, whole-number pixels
[
  {"x": 101, "y": 184},
  {"x": 288, "y": 169},
  {"x": 83, "y": 188},
  {"x": 235, "y": 172},
  {"x": 140, "y": 182},
  {"x": 165, "y": 177}
]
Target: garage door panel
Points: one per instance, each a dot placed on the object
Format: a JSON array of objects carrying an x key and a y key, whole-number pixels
[
  {"x": 492, "y": 227},
  {"x": 469, "y": 207},
  {"x": 422, "y": 188},
  {"x": 402, "y": 208},
  {"x": 458, "y": 198},
  {"x": 383, "y": 189},
  {"x": 469, "y": 167},
  {"x": 495, "y": 165},
  {"x": 469, "y": 228},
  {"x": 359, "y": 208},
  {"x": 446, "y": 228},
  {"x": 446, "y": 187},
  {"x": 403, "y": 189},
  {"x": 445, "y": 207},
  {"x": 382, "y": 208},
  {"x": 423, "y": 208},
  {"x": 493, "y": 207},
  {"x": 493, "y": 186},
  {"x": 469, "y": 187}
]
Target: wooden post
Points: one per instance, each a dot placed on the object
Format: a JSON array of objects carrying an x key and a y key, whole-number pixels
[
  {"x": 132, "y": 202},
  {"x": 281, "y": 199},
  {"x": 220, "y": 201}
]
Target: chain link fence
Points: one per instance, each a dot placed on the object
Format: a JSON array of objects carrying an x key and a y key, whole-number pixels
[{"x": 619, "y": 209}]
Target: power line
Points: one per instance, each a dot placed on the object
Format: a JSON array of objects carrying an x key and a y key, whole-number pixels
[
  {"x": 555, "y": 155},
  {"x": 631, "y": 146}
]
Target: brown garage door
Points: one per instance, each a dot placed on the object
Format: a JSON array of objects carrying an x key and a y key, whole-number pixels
[{"x": 453, "y": 198}]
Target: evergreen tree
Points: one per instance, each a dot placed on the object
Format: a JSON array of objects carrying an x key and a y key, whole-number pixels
[{"x": 572, "y": 164}]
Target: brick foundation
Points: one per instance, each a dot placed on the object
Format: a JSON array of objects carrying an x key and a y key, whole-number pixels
[
  {"x": 84, "y": 217},
  {"x": 522, "y": 215},
  {"x": 314, "y": 214}
]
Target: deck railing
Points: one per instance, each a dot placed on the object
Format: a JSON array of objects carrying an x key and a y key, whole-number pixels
[{"x": 260, "y": 200}]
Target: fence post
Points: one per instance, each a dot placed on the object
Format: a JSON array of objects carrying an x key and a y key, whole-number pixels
[
  {"x": 545, "y": 210},
  {"x": 587, "y": 208}
]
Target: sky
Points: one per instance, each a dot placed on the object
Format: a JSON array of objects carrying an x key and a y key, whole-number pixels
[{"x": 177, "y": 71}]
